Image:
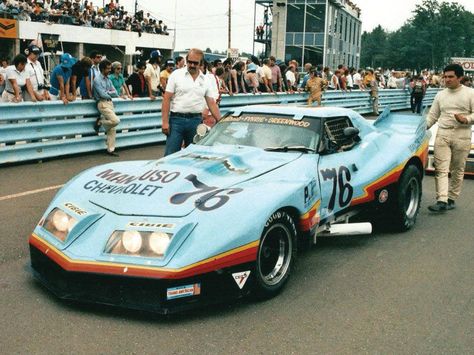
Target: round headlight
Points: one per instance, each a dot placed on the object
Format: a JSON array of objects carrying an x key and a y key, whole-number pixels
[
  {"x": 132, "y": 241},
  {"x": 60, "y": 221},
  {"x": 72, "y": 222},
  {"x": 159, "y": 242}
]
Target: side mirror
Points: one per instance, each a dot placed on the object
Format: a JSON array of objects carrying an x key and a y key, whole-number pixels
[
  {"x": 201, "y": 132},
  {"x": 352, "y": 133}
]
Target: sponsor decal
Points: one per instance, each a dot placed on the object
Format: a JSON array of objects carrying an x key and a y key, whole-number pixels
[
  {"x": 183, "y": 291},
  {"x": 151, "y": 225},
  {"x": 466, "y": 63},
  {"x": 310, "y": 191},
  {"x": 120, "y": 183},
  {"x": 226, "y": 161},
  {"x": 268, "y": 120},
  {"x": 8, "y": 28},
  {"x": 133, "y": 189},
  {"x": 241, "y": 278},
  {"x": 77, "y": 210},
  {"x": 383, "y": 196}
]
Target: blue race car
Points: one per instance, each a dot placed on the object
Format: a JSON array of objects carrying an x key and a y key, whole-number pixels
[{"x": 224, "y": 217}]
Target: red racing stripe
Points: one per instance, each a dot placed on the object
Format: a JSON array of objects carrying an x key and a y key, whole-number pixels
[{"x": 243, "y": 254}]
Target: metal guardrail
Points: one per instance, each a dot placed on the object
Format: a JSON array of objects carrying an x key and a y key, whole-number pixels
[{"x": 35, "y": 131}]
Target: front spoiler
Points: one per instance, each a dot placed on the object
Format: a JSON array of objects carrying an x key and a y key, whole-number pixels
[{"x": 149, "y": 294}]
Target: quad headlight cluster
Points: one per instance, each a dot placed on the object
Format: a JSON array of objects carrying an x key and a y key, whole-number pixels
[
  {"x": 138, "y": 243},
  {"x": 59, "y": 224}
]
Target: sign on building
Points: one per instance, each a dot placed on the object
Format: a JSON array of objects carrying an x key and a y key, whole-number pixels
[
  {"x": 50, "y": 42},
  {"x": 233, "y": 53},
  {"x": 8, "y": 28},
  {"x": 466, "y": 63}
]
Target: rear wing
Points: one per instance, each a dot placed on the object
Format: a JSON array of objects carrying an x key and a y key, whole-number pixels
[
  {"x": 385, "y": 113},
  {"x": 413, "y": 120}
]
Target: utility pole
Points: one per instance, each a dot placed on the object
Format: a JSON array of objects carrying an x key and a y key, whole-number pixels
[
  {"x": 230, "y": 24},
  {"x": 136, "y": 6}
]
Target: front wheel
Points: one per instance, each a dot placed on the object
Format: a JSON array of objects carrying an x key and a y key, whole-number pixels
[
  {"x": 276, "y": 255},
  {"x": 408, "y": 199}
]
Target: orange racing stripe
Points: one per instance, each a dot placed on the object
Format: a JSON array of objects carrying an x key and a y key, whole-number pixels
[
  {"x": 243, "y": 254},
  {"x": 310, "y": 218},
  {"x": 390, "y": 177}
]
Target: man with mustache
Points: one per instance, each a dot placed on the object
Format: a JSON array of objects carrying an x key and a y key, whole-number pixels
[{"x": 185, "y": 98}]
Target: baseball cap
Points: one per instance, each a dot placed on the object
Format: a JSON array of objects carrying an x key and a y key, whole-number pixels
[
  {"x": 252, "y": 67},
  {"x": 155, "y": 54},
  {"x": 170, "y": 62},
  {"x": 67, "y": 60},
  {"x": 32, "y": 48}
]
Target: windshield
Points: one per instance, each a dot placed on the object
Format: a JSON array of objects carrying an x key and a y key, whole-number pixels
[{"x": 265, "y": 131}]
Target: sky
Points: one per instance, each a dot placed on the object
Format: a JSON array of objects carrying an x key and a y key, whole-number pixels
[{"x": 204, "y": 23}]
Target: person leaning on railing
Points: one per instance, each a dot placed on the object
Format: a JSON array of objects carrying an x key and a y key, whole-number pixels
[
  {"x": 36, "y": 75},
  {"x": 60, "y": 78},
  {"x": 17, "y": 81},
  {"x": 118, "y": 81},
  {"x": 80, "y": 71},
  {"x": 104, "y": 91}
]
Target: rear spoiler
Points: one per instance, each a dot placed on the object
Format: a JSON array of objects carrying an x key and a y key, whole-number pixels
[
  {"x": 421, "y": 127},
  {"x": 385, "y": 113}
]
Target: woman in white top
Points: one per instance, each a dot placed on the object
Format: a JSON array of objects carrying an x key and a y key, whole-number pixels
[
  {"x": 17, "y": 81},
  {"x": 334, "y": 83}
]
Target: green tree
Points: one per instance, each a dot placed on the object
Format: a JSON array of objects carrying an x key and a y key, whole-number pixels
[
  {"x": 436, "y": 32},
  {"x": 373, "y": 51}
]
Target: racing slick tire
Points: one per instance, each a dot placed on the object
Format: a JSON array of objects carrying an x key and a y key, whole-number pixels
[
  {"x": 407, "y": 200},
  {"x": 276, "y": 255}
]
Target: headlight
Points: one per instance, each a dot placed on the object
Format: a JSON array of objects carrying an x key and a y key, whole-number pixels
[
  {"x": 132, "y": 241},
  {"x": 59, "y": 223},
  {"x": 137, "y": 243},
  {"x": 158, "y": 242}
]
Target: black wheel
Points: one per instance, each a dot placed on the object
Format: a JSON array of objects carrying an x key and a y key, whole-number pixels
[
  {"x": 276, "y": 255},
  {"x": 407, "y": 199}
]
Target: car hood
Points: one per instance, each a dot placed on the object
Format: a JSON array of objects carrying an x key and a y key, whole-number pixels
[{"x": 174, "y": 185}]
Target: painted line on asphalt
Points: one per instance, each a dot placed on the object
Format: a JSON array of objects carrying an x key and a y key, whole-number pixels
[{"x": 32, "y": 192}]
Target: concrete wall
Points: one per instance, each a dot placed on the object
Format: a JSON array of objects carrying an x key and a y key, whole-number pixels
[{"x": 75, "y": 34}]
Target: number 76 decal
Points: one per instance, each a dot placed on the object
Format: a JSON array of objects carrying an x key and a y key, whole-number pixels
[
  {"x": 208, "y": 194},
  {"x": 340, "y": 183}
]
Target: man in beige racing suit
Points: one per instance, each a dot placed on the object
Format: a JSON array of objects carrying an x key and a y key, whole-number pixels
[{"x": 453, "y": 109}]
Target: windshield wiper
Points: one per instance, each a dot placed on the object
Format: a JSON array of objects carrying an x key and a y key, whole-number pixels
[{"x": 293, "y": 148}]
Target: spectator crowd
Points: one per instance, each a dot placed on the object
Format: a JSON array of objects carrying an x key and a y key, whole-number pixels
[
  {"x": 73, "y": 79},
  {"x": 82, "y": 13}
]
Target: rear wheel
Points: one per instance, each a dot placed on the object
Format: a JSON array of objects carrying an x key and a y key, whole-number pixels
[
  {"x": 408, "y": 199},
  {"x": 276, "y": 254}
]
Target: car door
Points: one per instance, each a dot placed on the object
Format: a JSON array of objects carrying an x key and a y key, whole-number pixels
[{"x": 338, "y": 167}]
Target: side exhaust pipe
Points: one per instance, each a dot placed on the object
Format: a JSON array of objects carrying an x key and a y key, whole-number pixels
[{"x": 347, "y": 229}]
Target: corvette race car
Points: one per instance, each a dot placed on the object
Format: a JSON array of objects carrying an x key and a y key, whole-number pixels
[
  {"x": 470, "y": 159},
  {"x": 224, "y": 217}
]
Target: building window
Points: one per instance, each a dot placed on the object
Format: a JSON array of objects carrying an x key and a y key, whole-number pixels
[
  {"x": 315, "y": 18},
  {"x": 295, "y": 18}
]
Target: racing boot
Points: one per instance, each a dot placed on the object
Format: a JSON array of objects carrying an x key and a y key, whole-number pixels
[{"x": 439, "y": 206}]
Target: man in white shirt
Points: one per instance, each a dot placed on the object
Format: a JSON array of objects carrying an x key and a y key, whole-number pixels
[
  {"x": 392, "y": 81},
  {"x": 453, "y": 109},
  {"x": 184, "y": 100},
  {"x": 152, "y": 74},
  {"x": 291, "y": 78},
  {"x": 17, "y": 81},
  {"x": 36, "y": 74},
  {"x": 357, "y": 77}
]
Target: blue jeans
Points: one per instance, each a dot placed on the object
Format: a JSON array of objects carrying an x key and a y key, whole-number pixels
[{"x": 181, "y": 129}]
